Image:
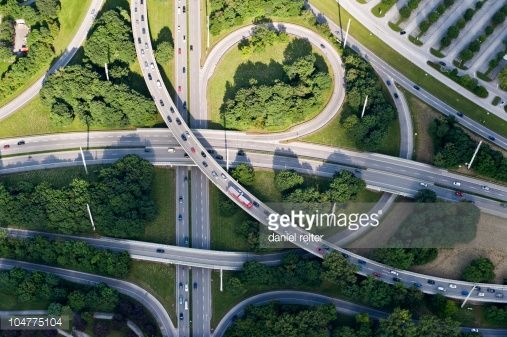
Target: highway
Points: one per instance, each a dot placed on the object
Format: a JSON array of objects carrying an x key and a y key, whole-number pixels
[
  {"x": 62, "y": 61},
  {"x": 422, "y": 94},
  {"x": 137, "y": 293}
]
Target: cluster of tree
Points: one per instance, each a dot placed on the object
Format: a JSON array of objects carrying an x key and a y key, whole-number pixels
[
  {"x": 404, "y": 258},
  {"x": 466, "y": 81},
  {"x": 454, "y": 147},
  {"x": 435, "y": 15},
  {"x": 454, "y": 30},
  {"x": 76, "y": 255},
  {"x": 262, "y": 36},
  {"x": 243, "y": 173},
  {"x": 502, "y": 79},
  {"x": 370, "y": 131},
  {"x": 80, "y": 92},
  {"x": 480, "y": 270},
  {"x": 111, "y": 39},
  {"x": 495, "y": 61},
  {"x": 119, "y": 198},
  {"x": 284, "y": 320},
  {"x": 496, "y": 314},
  {"x": 285, "y": 101},
  {"x": 473, "y": 47},
  {"x": 42, "y": 18},
  {"x": 407, "y": 10},
  {"x": 229, "y": 13}
]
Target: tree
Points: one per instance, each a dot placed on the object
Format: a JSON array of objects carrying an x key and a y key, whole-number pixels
[
  {"x": 48, "y": 8},
  {"x": 55, "y": 309},
  {"x": 398, "y": 324},
  {"x": 479, "y": 270},
  {"x": 235, "y": 286},
  {"x": 288, "y": 179},
  {"x": 243, "y": 173},
  {"x": 337, "y": 269},
  {"x": 344, "y": 187},
  {"x": 77, "y": 300},
  {"x": 502, "y": 79},
  {"x": 425, "y": 195},
  {"x": 164, "y": 52}
]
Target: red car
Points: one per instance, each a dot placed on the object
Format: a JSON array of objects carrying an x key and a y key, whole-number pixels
[
  {"x": 321, "y": 250},
  {"x": 458, "y": 194},
  {"x": 192, "y": 149},
  {"x": 179, "y": 50},
  {"x": 6, "y": 146},
  {"x": 376, "y": 274}
]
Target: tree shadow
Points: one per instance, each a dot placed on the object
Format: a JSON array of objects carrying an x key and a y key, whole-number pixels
[
  {"x": 295, "y": 49},
  {"x": 165, "y": 35}
]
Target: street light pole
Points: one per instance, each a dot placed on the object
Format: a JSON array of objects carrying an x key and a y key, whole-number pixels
[
  {"x": 346, "y": 34},
  {"x": 364, "y": 106},
  {"x": 475, "y": 154},
  {"x": 83, "y": 159},
  {"x": 90, "y": 215}
]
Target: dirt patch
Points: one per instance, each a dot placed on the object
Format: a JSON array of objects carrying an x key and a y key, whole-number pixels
[{"x": 490, "y": 242}]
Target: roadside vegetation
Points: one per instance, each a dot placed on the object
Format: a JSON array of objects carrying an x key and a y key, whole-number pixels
[
  {"x": 119, "y": 196},
  {"x": 434, "y": 15},
  {"x": 272, "y": 95}
]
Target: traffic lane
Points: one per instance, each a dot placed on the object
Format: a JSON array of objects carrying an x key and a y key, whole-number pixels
[{"x": 142, "y": 296}]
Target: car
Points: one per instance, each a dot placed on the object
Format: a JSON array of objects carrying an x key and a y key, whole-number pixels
[
  {"x": 180, "y": 199},
  {"x": 442, "y": 63},
  {"x": 186, "y": 305},
  {"x": 142, "y": 52},
  {"x": 183, "y": 9},
  {"x": 203, "y": 154},
  {"x": 185, "y": 155},
  {"x": 169, "y": 119},
  {"x": 416, "y": 87},
  {"x": 192, "y": 149},
  {"x": 191, "y": 47},
  {"x": 179, "y": 51},
  {"x": 396, "y": 279},
  {"x": 361, "y": 261},
  {"x": 152, "y": 66},
  {"x": 204, "y": 164},
  {"x": 452, "y": 286},
  {"x": 224, "y": 177},
  {"x": 394, "y": 272},
  {"x": 499, "y": 295},
  {"x": 135, "y": 10},
  {"x": 456, "y": 183},
  {"x": 491, "y": 138},
  {"x": 147, "y": 149},
  {"x": 210, "y": 151},
  {"x": 478, "y": 288},
  {"x": 160, "y": 250},
  {"x": 179, "y": 28},
  {"x": 181, "y": 285},
  {"x": 485, "y": 188},
  {"x": 490, "y": 290},
  {"x": 186, "y": 240},
  {"x": 214, "y": 174},
  {"x": 219, "y": 157},
  {"x": 178, "y": 121},
  {"x": 185, "y": 105},
  {"x": 460, "y": 114},
  {"x": 181, "y": 300},
  {"x": 474, "y": 330},
  {"x": 179, "y": 88},
  {"x": 424, "y": 184},
  {"x": 441, "y": 289},
  {"x": 159, "y": 85},
  {"x": 146, "y": 45},
  {"x": 171, "y": 109},
  {"x": 184, "y": 37},
  {"x": 139, "y": 40},
  {"x": 256, "y": 204},
  {"x": 184, "y": 137},
  {"x": 142, "y": 17},
  {"x": 146, "y": 64},
  {"x": 388, "y": 82},
  {"x": 417, "y": 285},
  {"x": 241, "y": 152},
  {"x": 403, "y": 32},
  {"x": 345, "y": 255},
  {"x": 376, "y": 274},
  {"x": 181, "y": 316},
  {"x": 464, "y": 293},
  {"x": 431, "y": 282},
  {"x": 396, "y": 95},
  {"x": 179, "y": 12},
  {"x": 320, "y": 250},
  {"x": 144, "y": 30},
  {"x": 195, "y": 285},
  {"x": 184, "y": 69},
  {"x": 149, "y": 77},
  {"x": 480, "y": 294},
  {"x": 458, "y": 194},
  {"x": 161, "y": 102},
  {"x": 171, "y": 150},
  {"x": 21, "y": 142},
  {"x": 180, "y": 217},
  {"x": 186, "y": 287}
]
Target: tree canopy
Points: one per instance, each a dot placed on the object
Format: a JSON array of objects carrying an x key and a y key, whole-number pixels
[{"x": 480, "y": 270}]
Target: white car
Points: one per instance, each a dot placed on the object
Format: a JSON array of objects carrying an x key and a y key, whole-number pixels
[
  {"x": 181, "y": 300},
  {"x": 456, "y": 183},
  {"x": 424, "y": 184},
  {"x": 474, "y": 330},
  {"x": 485, "y": 188},
  {"x": 441, "y": 288},
  {"x": 394, "y": 272},
  {"x": 152, "y": 65},
  {"x": 179, "y": 10},
  {"x": 186, "y": 287},
  {"x": 142, "y": 52},
  {"x": 480, "y": 294},
  {"x": 179, "y": 28},
  {"x": 159, "y": 85},
  {"x": 452, "y": 286}
]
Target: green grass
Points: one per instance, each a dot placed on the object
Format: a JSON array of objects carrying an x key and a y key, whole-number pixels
[
  {"x": 389, "y": 55},
  {"x": 159, "y": 280},
  {"x": 227, "y": 73},
  {"x": 163, "y": 228},
  {"x": 382, "y": 8},
  {"x": 161, "y": 15},
  {"x": 71, "y": 16}
]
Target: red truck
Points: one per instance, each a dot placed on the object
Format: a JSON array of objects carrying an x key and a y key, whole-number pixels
[{"x": 239, "y": 195}]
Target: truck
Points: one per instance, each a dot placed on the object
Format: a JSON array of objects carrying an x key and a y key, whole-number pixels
[{"x": 239, "y": 195}]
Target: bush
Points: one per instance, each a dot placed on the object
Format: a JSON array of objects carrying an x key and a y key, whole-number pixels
[{"x": 480, "y": 270}]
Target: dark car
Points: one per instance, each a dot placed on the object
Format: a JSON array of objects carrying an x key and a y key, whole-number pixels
[
  {"x": 180, "y": 217},
  {"x": 181, "y": 285},
  {"x": 256, "y": 204},
  {"x": 160, "y": 250},
  {"x": 21, "y": 142},
  {"x": 191, "y": 47},
  {"x": 442, "y": 63},
  {"x": 396, "y": 279},
  {"x": 417, "y": 285},
  {"x": 464, "y": 293},
  {"x": 416, "y": 87},
  {"x": 361, "y": 261},
  {"x": 149, "y": 77},
  {"x": 6, "y": 146},
  {"x": 203, "y": 154},
  {"x": 184, "y": 9},
  {"x": 403, "y": 32},
  {"x": 211, "y": 151},
  {"x": 204, "y": 164},
  {"x": 181, "y": 316},
  {"x": 171, "y": 109},
  {"x": 138, "y": 40},
  {"x": 169, "y": 119},
  {"x": 345, "y": 255},
  {"x": 241, "y": 153},
  {"x": 499, "y": 295},
  {"x": 431, "y": 282},
  {"x": 185, "y": 155},
  {"x": 183, "y": 137},
  {"x": 490, "y": 138},
  {"x": 490, "y": 290},
  {"x": 195, "y": 285},
  {"x": 219, "y": 157},
  {"x": 178, "y": 121},
  {"x": 161, "y": 102},
  {"x": 388, "y": 82},
  {"x": 460, "y": 114},
  {"x": 396, "y": 95}
]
